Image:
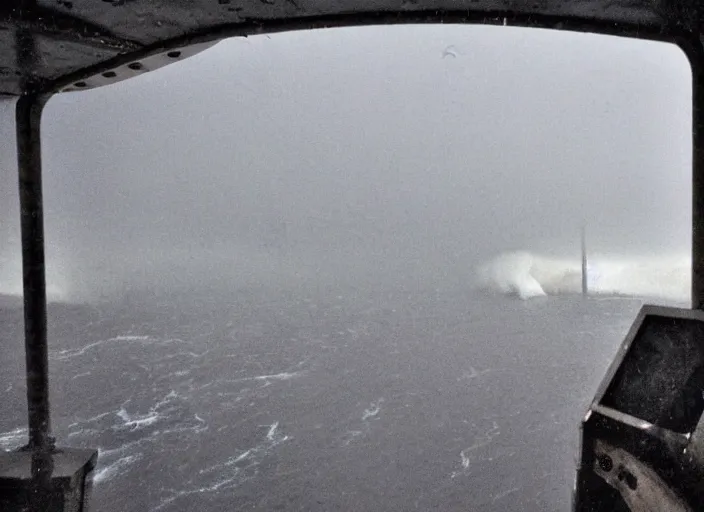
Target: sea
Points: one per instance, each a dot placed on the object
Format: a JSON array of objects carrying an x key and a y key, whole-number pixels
[{"x": 322, "y": 398}]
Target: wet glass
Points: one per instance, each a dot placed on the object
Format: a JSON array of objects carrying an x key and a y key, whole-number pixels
[{"x": 336, "y": 269}]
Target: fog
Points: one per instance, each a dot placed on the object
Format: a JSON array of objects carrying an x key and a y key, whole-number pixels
[{"x": 407, "y": 154}]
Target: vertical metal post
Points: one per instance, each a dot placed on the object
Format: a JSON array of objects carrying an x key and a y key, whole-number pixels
[
  {"x": 28, "y": 113},
  {"x": 695, "y": 53},
  {"x": 28, "y": 117}
]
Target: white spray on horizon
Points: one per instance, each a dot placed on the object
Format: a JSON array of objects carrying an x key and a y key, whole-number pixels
[
  {"x": 11, "y": 279},
  {"x": 528, "y": 275}
]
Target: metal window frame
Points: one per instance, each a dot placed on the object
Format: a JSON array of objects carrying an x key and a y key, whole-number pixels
[{"x": 36, "y": 93}]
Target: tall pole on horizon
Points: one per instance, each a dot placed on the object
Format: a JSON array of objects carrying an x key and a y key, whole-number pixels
[{"x": 585, "y": 287}]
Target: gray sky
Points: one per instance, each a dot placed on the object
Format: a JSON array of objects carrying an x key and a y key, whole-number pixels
[{"x": 383, "y": 149}]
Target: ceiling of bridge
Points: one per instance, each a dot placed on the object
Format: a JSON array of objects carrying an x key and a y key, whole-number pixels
[{"x": 79, "y": 44}]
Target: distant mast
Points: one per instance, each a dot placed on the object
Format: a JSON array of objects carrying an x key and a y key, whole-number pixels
[{"x": 585, "y": 287}]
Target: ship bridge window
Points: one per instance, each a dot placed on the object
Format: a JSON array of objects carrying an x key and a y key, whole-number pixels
[{"x": 342, "y": 269}]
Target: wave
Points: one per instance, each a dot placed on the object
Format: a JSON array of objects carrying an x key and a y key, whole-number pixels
[{"x": 529, "y": 275}]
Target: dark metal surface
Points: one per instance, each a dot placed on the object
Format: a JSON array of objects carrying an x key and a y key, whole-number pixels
[
  {"x": 695, "y": 54},
  {"x": 647, "y": 415},
  {"x": 675, "y": 440},
  {"x": 73, "y": 35},
  {"x": 67, "y": 461},
  {"x": 65, "y": 492},
  {"x": 28, "y": 116},
  {"x": 639, "y": 486},
  {"x": 29, "y": 109}
]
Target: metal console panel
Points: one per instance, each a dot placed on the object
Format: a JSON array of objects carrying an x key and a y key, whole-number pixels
[
  {"x": 641, "y": 447},
  {"x": 70, "y": 481}
]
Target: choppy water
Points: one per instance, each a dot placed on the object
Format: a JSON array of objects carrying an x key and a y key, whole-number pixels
[{"x": 340, "y": 399}]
